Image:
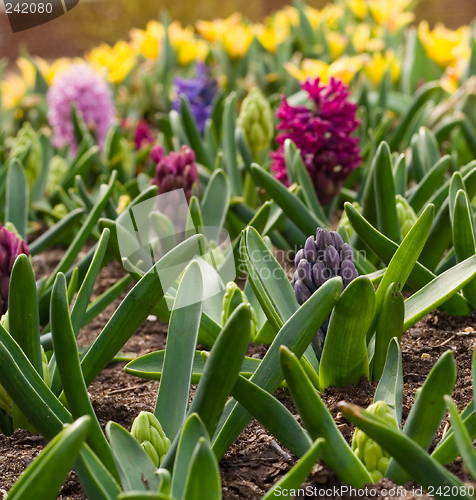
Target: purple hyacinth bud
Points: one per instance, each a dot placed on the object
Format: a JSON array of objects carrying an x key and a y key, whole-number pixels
[
  {"x": 301, "y": 291},
  {"x": 348, "y": 272},
  {"x": 332, "y": 260},
  {"x": 346, "y": 253},
  {"x": 295, "y": 277},
  {"x": 305, "y": 274},
  {"x": 320, "y": 274},
  {"x": 338, "y": 241},
  {"x": 157, "y": 153},
  {"x": 310, "y": 250},
  {"x": 297, "y": 258},
  {"x": 10, "y": 248}
]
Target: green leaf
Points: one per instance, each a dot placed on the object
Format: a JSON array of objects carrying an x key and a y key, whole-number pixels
[
  {"x": 385, "y": 194},
  {"x": 23, "y": 318},
  {"x": 136, "y": 469},
  {"x": 390, "y": 387},
  {"x": 47, "y": 473},
  {"x": 438, "y": 291},
  {"x": 75, "y": 390},
  {"x": 192, "y": 431},
  {"x": 296, "y": 334},
  {"x": 462, "y": 437},
  {"x": 298, "y": 474},
  {"x": 389, "y": 326},
  {"x": 229, "y": 145},
  {"x": 416, "y": 461},
  {"x": 272, "y": 415},
  {"x": 319, "y": 422},
  {"x": 427, "y": 412},
  {"x": 143, "y": 495},
  {"x": 344, "y": 357},
  {"x": 203, "y": 475},
  {"x": 150, "y": 366},
  {"x": 463, "y": 238},
  {"x": 135, "y": 308},
  {"x": 385, "y": 250},
  {"x": 174, "y": 390},
  {"x": 17, "y": 198},
  {"x": 457, "y": 184},
  {"x": 216, "y": 201},
  {"x": 291, "y": 205}
]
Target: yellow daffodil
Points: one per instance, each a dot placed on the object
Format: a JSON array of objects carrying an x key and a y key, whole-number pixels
[
  {"x": 266, "y": 35},
  {"x": 337, "y": 43},
  {"x": 116, "y": 61},
  {"x": 313, "y": 15},
  {"x": 148, "y": 41},
  {"x": 358, "y": 7},
  {"x": 51, "y": 70},
  {"x": 442, "y": 44},
  {"x": 378, "y": 64},
  {"x": 344, "y": 69},
  {"x": 391, "y": 13},
  {"x": 187, "y": 47},
  {"x": 364, "y": 40},
  {"x": 331, "y": 14},
  {"x": 14, "y": 87},
  {"x": 235, "y": 36}
]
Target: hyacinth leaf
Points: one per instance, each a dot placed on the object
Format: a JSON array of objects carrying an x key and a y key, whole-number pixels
[
  {"x": 28, "y": 390},
  {"x": 298, "y": 474},
  {"x": 178, "y": 129},
  {"x": 422, "y": 468},
  {"x": 216, "y": 201},
  {"x": 390, "y": 386},
  {"x": 203, "y": 474},
  {"x": 81, "y": 166},
  {"x": 193, "y": 135},
  {"x": 401, "y": 265},
  {"x": 272, "y": 415},
  {"x": 150, "y": 366},
  {"x": 428, "y": 410},
  {"x": 17, "y": 198},
  {"x": 344, "y": 358},
  {"x": 305, "y": 182},
  {"x": 23, "y": 319},
  {"x": 389, "y": 325},
  {"x": 143, "y": 495},
  {"x": 296, "y": 334},
  {"x": 220, "y": 373},
  {"x": 457, "y": 184},
  {"x": 319, "y": 423},
  {"x": 243, "y": 147},
  {"x": 420, "y": 97},
  {"x": 57, "y": 232},
  {"x": 84, "y": 295},
  {"x": 95, "y": 479},
  {"x": 84, "y": 232},
  {"x": 69, "y": 369},
  {"x": 463, "y": 238},
  {"x": 385, "y": 250},
  {"x": 196, "y": 212},
  {"x": 469, "y": 133},
  {"x": 192, "y": 431},
  {"x": 387, "y": 217},
  {"x": 462, "y": 437},
  {"x": 268, "y": 279},
  {"x": 47, "y": 153},
  {"x": 291, "y": 205},
  {"x": 229, "y": 145},
  {"x": 136, "y": 469},
  {"x": 432, "y": 180},
  {"x": 400, "y": 175},
  {"x": 438, "y": 291},
  {"x": 135, "y": 308},
  {"x": 290, "y": 151},
  {"x": 174, "y": 390},
  {"x": 38, "y": 480}
]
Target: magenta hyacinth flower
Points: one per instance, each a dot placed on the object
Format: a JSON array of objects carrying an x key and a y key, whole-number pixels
[
  {"x": 322, "y": 131},
  {"x": 93, "y": 99},
  {"x": 176, "y": 171},
  {"x": 144, "y": 135},
  {"x": 10, "y": 248}
]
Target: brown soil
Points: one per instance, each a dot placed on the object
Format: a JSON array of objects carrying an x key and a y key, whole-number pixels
[{"x": 255, "y": 461}]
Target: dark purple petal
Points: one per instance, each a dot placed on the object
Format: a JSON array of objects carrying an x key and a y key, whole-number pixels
[
  {"x": 320, "y": 274},
  {"x": 297, "y": 258},
  {"x": 332, "y": 260},
  {"x": 301, "y": 291},
  {"x": 338, "y": 241},
  {"x": 310, "y": 250},
  {"x": 346, "y": 252},
  {"x": 348, "y": 272}
]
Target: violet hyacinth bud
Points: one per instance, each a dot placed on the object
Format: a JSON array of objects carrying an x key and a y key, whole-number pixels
[
  {"x": 144, "y": 136},
  {"x": 176, "y": 171},
  {"x": 10, "y": 248},
  {"x": 321, "y": 259}
]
